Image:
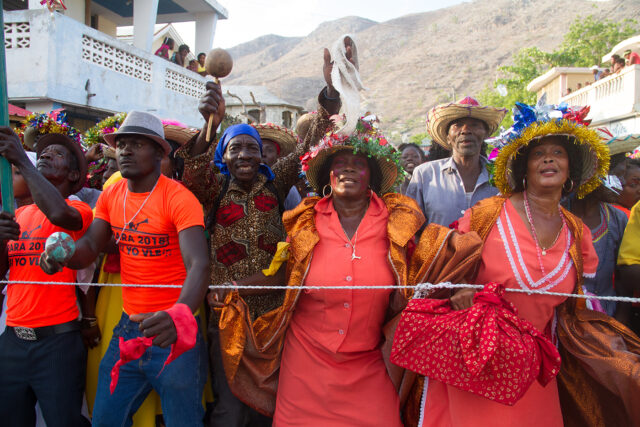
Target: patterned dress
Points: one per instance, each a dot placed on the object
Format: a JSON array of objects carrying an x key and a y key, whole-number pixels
[{"x": 248, "y": 224}]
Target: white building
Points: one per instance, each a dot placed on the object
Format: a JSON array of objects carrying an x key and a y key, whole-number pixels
[
  {"x": 74, "y": 60},
  {"x": 262, "y": 107},
  {"x": 614, "y": 100}
]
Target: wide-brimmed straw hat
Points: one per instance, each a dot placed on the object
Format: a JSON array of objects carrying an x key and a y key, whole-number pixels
[
  {"x": 365, "y": 140},
  {"x": 179, "y": 134},
  {"x": 441, "y": 116},
  {"x": 140, "y": 123},
  {"x": 285, "y": 138},
  {"x": 532, "y": 123},
  {"x": 623, "y": 143},
  {"x": 75, "y": 149}
]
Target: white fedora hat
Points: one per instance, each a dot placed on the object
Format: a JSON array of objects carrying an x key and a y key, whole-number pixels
[{"x": 140, "y": 123}]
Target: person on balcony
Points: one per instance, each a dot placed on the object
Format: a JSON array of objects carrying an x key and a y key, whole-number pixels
[
  {"x": 632, "y": 58},
  {"x": 167, "y": 45},
  {"x": 597, "y": 74},
  {"x": 462, "y": 179},
  {"x": 180, "y": 57},
  {"x": 42, "y": 356},
  {"x": 201, "y": 68}
]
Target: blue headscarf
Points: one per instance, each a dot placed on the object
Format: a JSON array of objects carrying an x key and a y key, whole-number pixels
[{"x": 232, "y": 132}]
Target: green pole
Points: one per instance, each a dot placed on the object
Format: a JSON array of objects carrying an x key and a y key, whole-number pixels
[{"x": 6, "y": 178}]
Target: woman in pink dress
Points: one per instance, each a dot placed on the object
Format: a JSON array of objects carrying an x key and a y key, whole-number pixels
[
  {"x": 332, "y": 371},
  {"x": 531, "y": 243}
]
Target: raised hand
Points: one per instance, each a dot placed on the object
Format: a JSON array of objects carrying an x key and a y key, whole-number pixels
[
  {"x": 11, "y": 147},
  {"x": 9, "y": 228},
  {"x": 328, "y": 66},
  {"x": 212, "y": 103}
]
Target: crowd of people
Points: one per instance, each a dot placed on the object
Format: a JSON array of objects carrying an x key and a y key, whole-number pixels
[
  {"x": 168, "y": 52},
  {"x": 287, "y": 226}
]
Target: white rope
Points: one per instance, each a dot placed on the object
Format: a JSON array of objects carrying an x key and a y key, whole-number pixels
[{"x": 420, "y": 288}]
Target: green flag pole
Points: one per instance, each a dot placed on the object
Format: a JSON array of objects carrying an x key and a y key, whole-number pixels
[{"x": 6, "y": 179}]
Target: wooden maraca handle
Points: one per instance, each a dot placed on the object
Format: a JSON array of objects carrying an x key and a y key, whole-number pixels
[{"x": 210, "y": 124}]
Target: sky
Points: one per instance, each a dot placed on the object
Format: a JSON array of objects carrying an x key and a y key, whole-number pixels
[{"x": 249, "y": 19}]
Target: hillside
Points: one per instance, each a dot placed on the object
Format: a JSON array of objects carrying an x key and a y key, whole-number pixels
[{"x": 416, "y": 61}]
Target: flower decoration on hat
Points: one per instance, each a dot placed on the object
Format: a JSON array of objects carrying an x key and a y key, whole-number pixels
[
  {"x": 534, "y": 122},
  {"x": 93, "y": 136},
  {"x": 109, "y": 125},
  {"x": 366, "y": 140},
  {"x": 37, "y": 124}
]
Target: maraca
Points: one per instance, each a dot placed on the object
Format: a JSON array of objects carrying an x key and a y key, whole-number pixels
[
  {"x": 218, "y": 64},
  {"x": 60, "y": 246}
]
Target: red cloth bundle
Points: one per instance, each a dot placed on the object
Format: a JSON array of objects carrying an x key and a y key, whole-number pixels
[
  {"x": 133, "y": 349},
  {"x": 486, "y": 349}
]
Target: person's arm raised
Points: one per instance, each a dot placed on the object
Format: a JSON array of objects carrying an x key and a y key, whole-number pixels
[
  {"x": 193, "y": 246},
  {"x": 45, "y": 195},
  {"x": 211, "y": 103}
]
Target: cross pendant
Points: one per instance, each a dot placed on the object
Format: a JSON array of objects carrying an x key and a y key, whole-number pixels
[{"x": 354, "y": 257}]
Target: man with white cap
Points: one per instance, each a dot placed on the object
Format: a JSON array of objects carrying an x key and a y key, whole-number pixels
[
  {"x": 446, "y": 188},
  {"x": 158, "y": 226}
]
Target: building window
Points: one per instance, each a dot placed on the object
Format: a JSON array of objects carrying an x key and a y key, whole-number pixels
[
  {"x": 286, "y": 119},
  {"x": 254, "y": 115}
]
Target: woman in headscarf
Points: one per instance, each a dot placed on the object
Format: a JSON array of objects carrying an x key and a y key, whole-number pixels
[
  {"x": 543, "y": 158},
  {"x": 243, "y": 204}
]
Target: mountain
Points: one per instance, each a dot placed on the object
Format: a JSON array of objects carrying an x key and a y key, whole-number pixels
[{"x": 411, "y": 63}]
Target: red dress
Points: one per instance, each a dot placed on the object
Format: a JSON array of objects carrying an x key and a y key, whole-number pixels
[
  {"x": 332, "y": 372},
  {"x": 509, "y": 257}
]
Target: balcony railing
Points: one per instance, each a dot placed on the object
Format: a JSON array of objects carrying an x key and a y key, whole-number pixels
[
  {"x": 614, "y": 97},
  {"x": 53, "y": 57}
]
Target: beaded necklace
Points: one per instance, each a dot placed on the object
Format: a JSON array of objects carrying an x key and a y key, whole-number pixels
[{"x": 539, "y": 250}]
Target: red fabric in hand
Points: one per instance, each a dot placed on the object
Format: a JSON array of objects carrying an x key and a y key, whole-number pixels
[
  {"x": 129, "y": 350},
  {"x": 186, "y": 331},
  {"x": 112, "y": 263},
  {"x": 486, "y": 349}
]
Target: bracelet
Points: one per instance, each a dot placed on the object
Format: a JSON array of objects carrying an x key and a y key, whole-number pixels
[
  {"x": 327, "y": 97},
  {"x": 88, "y": 322}
]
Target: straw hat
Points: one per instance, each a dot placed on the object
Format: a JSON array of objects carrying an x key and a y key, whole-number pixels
[
  {"x": 441, "y": 116},
  {"x": 75, "y": 149},
  {"x": 534, "y": 123},
  {"x": 365, "y": 140},
  {"x": 285, "y": 138},
  {"x": 140, "y": 123},
  {"x": 617, "y": 144},
  {"x": 179, "y": 134}
]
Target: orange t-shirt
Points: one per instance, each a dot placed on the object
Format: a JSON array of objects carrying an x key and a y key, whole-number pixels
[
  {"x": 40, "y": 305},
  {"x": 149, "y": 249}
]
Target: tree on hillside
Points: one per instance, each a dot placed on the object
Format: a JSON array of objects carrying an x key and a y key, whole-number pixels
[{"x": 584, "y": 45}]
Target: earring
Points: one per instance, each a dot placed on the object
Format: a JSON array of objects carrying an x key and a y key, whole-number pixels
[
  {"x": 524, "y": 182},
  {"x": 324, "y": 190},
  {"x": 570, "y": 189}
]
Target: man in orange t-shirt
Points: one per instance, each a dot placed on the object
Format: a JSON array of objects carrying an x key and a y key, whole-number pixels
[
  {"x": 42, "y": 356},
  {"x": 158, "y": 226}
]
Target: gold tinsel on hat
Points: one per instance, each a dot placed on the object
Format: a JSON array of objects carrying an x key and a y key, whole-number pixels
[{"x": 595, "y": 154}]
